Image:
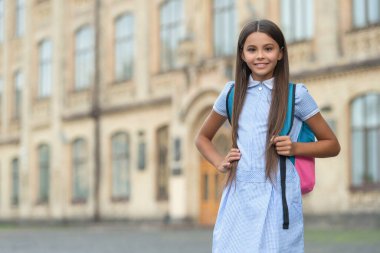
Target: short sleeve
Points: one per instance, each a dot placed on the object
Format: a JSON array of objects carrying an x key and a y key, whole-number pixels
[
  {"x": 305, "y": 106},
  {"x": 220, "y": 103}
]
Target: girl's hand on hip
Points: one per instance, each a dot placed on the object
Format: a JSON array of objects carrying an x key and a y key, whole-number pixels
[
  {"x": 225, "y": 165},
  {"x": 283, "y": 145}
]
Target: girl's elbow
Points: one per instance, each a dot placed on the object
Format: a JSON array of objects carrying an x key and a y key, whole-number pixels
[
  {"x": 198, "y": 141},
  {"x": 336, "y": 149}
]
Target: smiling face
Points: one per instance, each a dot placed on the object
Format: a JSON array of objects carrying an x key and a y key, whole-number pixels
[{"x": 261, "y": 54}]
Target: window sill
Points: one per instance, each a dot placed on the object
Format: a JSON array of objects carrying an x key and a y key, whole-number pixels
[
  {"x": 365, "y": 188},
  {"x": 42, "y": 202},
  {"x": 363, "y": 28},
  {"x": 119, "y": 199},
  {"x": 79, "y": 201},
  {"x": 299, "y": 42}
]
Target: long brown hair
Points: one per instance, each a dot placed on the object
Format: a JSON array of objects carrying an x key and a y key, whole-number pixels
[{"x": 278, "y": 106}]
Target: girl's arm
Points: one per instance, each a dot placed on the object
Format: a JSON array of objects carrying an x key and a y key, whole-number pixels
[
  {"x": 326, "y": 146},
  {"x": 203, "y": 142}
]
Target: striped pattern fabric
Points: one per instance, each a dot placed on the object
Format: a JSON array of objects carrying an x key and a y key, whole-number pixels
[{"x": 250, "y": 213}]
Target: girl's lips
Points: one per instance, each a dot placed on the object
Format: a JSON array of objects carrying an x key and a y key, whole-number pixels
[{"x": 261, "y": 65}]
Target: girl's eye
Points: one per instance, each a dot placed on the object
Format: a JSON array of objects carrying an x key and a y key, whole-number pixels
[
  {"x": 251, "y": 49},
  {"x": 268, "y": 49}
]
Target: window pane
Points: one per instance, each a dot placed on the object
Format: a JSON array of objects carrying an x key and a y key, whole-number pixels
[
  {"x": 373, "y": 11},
  {"x": 18, "y": 79},
  {"x": 357, "y": 157},
  {"x": 120, "y": 165},
  {"x": 80, "y": 176},
  {"x": 84, "y": 58},
  {"x": 225, "y": 27},
  {"x": 373, "y": 159},
  {"x": 299, "y": 24},
  {"x": 44, "y": 176},
  {"x": 1, "y": 88},
  {"x": 372, "y": 109},
  {"x": 124, "y": 48},
  {"x": 309, "y": 19},
  {"x": 20, "y": 17},
  {"x": 1, "y": 20},
  {"x": 45, "y": 68},
  {"x": 15, "y": 182},
  {"x": 171, "y": 25},
  {"x": 286, "y": 19},
  {"x": 359, "y": 13},
  {"x": 357, "y": 113}
]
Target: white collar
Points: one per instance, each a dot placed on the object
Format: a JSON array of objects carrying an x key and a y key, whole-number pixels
[{"x": 268, "y": 83}]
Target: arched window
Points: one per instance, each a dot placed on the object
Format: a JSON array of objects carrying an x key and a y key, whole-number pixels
[
  {"x": 124, "y": 47},
  {"x": 84, "y": 58},
  {"x": 45, "y": 69},
  {"x": 44, "y": 173},
  {"x": 365, "y": 140},
  {"x": 80, "y": 170},
  {"x": 120, "y": 166}
]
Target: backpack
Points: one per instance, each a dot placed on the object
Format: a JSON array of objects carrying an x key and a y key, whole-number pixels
[{"x": 305, "y": 166}]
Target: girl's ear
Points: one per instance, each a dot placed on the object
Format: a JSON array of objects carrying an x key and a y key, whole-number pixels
[
  {"x": 242, "y": 56},
  {"x": 280, "y": 55}
]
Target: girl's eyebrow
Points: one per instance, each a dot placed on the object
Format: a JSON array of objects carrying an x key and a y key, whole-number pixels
[{"x": 268, "y": 44}]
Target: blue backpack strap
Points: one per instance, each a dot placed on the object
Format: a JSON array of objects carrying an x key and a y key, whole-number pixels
[
  {"x": 289, "y": 111},
  {"x": 285, "y": 131},
  {"x": 230, "y": 102}
]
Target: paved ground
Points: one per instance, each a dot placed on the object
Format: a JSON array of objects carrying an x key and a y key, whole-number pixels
[{"x": 132, "y": 238}]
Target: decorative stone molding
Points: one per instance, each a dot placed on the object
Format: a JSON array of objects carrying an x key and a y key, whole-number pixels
[
  {"x": 42, "y": 12},
  {"x": 362, "y": 44},
  {"x": 300, "y": 54},
  {"x": 41, "y": 112}
]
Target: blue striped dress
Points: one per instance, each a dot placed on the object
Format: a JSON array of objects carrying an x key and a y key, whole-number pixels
[{"x": 250, "y": 213}]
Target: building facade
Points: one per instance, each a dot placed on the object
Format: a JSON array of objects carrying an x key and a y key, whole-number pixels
[{"x": 100, "y": 102}]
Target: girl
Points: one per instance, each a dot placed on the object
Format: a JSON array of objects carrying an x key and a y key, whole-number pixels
[{"x": 250, "y": 217}]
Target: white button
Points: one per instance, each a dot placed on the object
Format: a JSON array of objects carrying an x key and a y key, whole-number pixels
[{"x": 260, "y": 88}]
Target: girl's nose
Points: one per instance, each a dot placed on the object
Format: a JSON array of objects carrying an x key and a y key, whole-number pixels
[{"x": 259, "y": 54}]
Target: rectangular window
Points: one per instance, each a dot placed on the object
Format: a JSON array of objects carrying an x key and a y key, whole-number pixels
[
  {"x": 1, "y": 96},
  {"x": 120, "y": 166},
  {"x": 2, "y": 18},
  {"x": 45, "y": 69},
  {"x": 141, "y": 151},
  {"x": 365, "y": 13},
  {"x": 297, "y": 19},
  {"x": 365, "y": 132},
  {"x": 124, "y": 48},
  {"x": 18, "y": 80},
  {"x": 15, "y": 182},
  {"x": 20, "y": 18},
  {"x": 225, "y": 27},
  {"x": 80, "y": 175},
  {"x": 163, "y": 165},
  {"x": 171, "y": 32},
  {"x": 44, "y": 168},
  {"x": 84, "y": 58}
]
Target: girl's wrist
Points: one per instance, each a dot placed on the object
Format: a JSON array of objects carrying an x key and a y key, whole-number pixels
[{"x": 295, "y": 147}]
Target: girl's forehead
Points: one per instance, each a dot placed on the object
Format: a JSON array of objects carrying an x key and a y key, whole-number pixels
[{"x": 259, "y": 38}]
